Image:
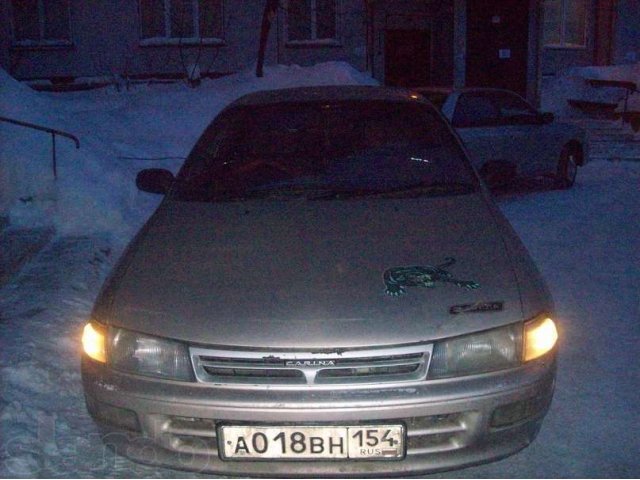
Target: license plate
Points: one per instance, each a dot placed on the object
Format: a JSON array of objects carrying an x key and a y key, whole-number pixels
[{"x": 381, "y": 442}]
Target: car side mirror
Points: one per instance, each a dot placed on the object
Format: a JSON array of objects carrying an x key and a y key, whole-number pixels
[
  {"x": 547, "y": 117},
  {"x": 154, "y": 180}
]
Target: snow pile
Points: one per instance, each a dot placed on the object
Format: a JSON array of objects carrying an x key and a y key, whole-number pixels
[
  {"x": 95, "y": 190},
  {"x": 19, "y": 100},
  {"x": 572, "y": 84}
]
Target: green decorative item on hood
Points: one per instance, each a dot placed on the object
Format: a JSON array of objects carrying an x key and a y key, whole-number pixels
[{"x": 397, "y": 278}]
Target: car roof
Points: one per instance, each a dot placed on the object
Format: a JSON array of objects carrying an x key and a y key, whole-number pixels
[
  {"x": 434, "y": 89},
  {"x": 449, "y": 90},
  {"x": 334, "y": 93}
]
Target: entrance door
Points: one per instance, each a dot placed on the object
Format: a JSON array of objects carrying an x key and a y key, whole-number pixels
[
  {"x": 407, "y": 56},
  {"x": 497, "y": 40}
]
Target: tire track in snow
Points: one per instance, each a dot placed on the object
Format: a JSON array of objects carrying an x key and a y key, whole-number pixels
[
  {"x": 45, "y": 430},
  {"x": 43, "y": 310}
]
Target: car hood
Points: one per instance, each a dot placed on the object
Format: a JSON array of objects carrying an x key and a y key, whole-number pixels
[{"x": 309, "y": 274}]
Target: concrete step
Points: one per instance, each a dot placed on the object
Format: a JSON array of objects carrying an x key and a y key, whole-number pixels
[
  {"x": 609, "y": 140},
  {"x": 615, "y": 159},
  {"x": 618, "y": 137},
  {"x": 593, "y": 122},
  {"x": 18, "y": 246},
  {"x": 615, "y": 153},
  {"x": 615, "y": 144},
  {"x": 605, "y": 142},
  {"x": 633, "y": 155},
  {"x": 603, "y": 128}
]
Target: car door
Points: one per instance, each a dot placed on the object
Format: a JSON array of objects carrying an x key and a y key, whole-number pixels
[
  {"x": 530, "y": 140},
  {"x": 475, "y": 118},
  {"x": 515, "y": 133}
]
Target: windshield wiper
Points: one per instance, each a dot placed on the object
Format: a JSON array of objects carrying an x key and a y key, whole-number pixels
[
  {"x": 321, "y": 191},
  {"x": 309, "y": 189},
  {"x": 312, "y": 192},
  {"x": 240, "y": 193},
  {"x": 409, "y": 191},
  {"x": 435, "y": 188}
]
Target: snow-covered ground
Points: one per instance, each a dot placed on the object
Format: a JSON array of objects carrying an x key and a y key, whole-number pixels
[{"x": 586, "y": 241}]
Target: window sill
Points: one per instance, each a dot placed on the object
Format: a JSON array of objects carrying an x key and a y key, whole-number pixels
[
  {"x": 181, "y": 42},
  {"x": 324, "y": 43},
  {"x": 42, "y": 45},
  {"x": 566, "y": 47}
]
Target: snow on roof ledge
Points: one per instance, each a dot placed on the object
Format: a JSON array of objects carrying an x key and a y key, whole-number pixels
[
  {"x": 572, "y": 84},
  {"x": 626, "y": 73}
]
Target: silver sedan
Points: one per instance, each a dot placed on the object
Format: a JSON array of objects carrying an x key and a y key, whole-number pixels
[
  {"x": 326, "y": 289},
  {"x": 507, "y": 138}
]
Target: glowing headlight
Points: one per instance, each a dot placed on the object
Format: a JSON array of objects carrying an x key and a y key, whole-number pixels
[
  {"x": 495, "y": 349},
  {"x": 540, "y": 336},
  {"x": 147, "y": 355},
  {"x": 486, "y": 351},
  {"x": 93, "y": 342}
]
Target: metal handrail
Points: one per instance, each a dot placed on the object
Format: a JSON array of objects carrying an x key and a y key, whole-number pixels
[{"x": 53, "y": 133}]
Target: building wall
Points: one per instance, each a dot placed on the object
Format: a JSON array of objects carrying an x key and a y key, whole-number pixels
[
  {"x": 5, "y": 35},
  {"x": 351, "y": 45},
  {"x": 613, "y": 37},
  {"x": 534, "y": 48},
  {"x": 437, "y": 16},
  {"x": 627, "y": 35},
  {"x": 459, "y": 42},
  {"x": 554, "y": 60},
  {"x": 106, "y": 41}
]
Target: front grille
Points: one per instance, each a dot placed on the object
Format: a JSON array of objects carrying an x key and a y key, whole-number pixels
[
  {"x": 250, "y": 373},
  {"x": 367, "y": 371},
  {"x": 385, "y": 365}
]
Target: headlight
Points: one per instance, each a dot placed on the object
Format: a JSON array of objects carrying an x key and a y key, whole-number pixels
[
  {"x": 494, "y": 349},
  {"x": 540, "y": 336},
  {"x": 147, "y": 355},
  {"x": 94, "y": 341}
]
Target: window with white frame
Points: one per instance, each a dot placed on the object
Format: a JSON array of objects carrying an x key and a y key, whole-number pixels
[
  {"x": 565, "y": 23},
  {"x": 176, "y": 21},
  {"x": 40, "y": 22},
  {"x": 312, "y": 20}
]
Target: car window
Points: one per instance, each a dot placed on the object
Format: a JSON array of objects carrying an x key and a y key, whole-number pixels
[
  {"x": 475, "y": 109},
  {"x": 513, "y": 109},
  {"x": 350, "y": 147}
]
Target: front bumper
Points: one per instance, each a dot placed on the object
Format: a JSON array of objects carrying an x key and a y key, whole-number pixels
[{"x": 450, "y": 423}]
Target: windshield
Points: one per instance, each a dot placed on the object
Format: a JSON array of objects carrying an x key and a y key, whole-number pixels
[{"x": 324, "y": 151}]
